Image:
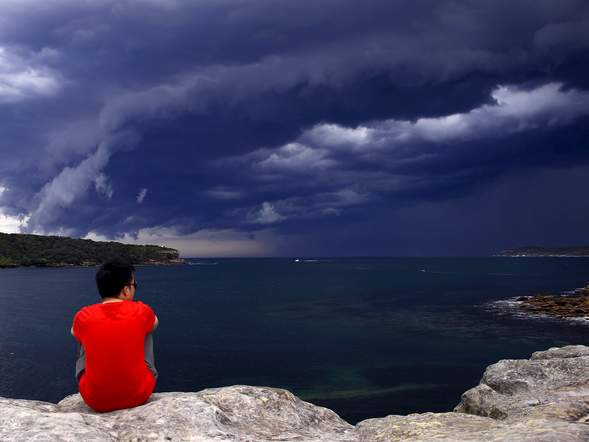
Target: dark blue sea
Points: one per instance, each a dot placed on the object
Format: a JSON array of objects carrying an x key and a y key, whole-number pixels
[{"x": 365, "y": 337}]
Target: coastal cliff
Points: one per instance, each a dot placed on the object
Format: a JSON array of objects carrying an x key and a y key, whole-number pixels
[
  {"x": 545, "y": 398},
  {"x": 59, "y": 251}
]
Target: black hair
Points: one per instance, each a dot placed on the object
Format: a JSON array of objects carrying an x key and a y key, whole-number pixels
[{"x": 112, "y": 276}]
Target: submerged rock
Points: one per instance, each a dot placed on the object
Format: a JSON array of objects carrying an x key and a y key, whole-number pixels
[{"x": 542, "y": 399}]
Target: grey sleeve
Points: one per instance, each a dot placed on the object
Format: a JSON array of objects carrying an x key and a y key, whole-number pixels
[
  {"x": 148, "y": 350},
  {"x": 81, "y": 362}
]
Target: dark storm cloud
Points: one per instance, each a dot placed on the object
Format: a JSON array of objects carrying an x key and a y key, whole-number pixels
[
  {"x": 403, "y": 160},
  {"x": 244, "y": 115}
]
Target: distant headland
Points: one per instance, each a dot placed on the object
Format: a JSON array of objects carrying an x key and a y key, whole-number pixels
[
  {"x": 533, "y": 251},
  {"x": 18, "y": 250}
]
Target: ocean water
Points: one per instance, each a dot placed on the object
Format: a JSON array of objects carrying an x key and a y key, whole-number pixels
[{"x": 366, "y": 337}]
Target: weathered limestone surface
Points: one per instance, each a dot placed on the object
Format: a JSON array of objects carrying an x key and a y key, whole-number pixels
[
  {"x": 236, "y": 413},
  {"x": 458, "y": 427},
  {"x": 553, "y": 384},
  {"x": 542, "y": 399}
]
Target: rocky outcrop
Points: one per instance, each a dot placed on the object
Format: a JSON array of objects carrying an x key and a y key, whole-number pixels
[
  {"x": 236, "y": 413},
  {"x": 542, "y": 399},
  {"x": 456, "y": 427},
  {"x": 553, "y": 384},
  {"x": 565, "y": 306}
]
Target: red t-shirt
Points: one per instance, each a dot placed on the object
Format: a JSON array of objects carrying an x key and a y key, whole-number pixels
[{"x": 113, "y": 336}]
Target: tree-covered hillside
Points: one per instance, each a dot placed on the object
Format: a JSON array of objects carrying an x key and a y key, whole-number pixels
[{"x": 48, "y": 251}]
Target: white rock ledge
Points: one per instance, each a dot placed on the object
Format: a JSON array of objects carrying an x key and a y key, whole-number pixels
[{"x": 542, "y": 399}]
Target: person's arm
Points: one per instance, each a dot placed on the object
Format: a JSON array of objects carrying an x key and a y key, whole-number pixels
[
  {"x": 72, "y": 332},
  {"x": 77, "y": 330},
  {"x": 155, "y": 324}
]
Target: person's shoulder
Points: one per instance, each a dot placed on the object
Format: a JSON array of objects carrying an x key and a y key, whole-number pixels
[
  {"x": 142, "y": 305},
  {"x": 85, "y": 311},
  {"x": 86, "y": 308}
]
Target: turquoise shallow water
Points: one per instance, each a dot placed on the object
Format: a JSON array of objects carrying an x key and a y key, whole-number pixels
[{"x": 366, "y": 337}]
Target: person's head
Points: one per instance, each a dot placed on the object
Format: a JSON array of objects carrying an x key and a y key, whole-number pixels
[{"x": 116, "y": 279}]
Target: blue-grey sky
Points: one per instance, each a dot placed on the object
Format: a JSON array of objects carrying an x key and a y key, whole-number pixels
[{"x": 291, "y": 128}]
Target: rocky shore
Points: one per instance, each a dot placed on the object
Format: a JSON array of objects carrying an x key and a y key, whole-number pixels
[
  {"x": 545, "y": 398},
  {"x": 572, "y": 305}
]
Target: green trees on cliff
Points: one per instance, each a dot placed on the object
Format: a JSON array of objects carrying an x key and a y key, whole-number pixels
[{"x": 36, "y": 250}]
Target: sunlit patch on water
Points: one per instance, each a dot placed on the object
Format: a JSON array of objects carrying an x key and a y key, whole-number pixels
[{"x": 357, "y": 393}]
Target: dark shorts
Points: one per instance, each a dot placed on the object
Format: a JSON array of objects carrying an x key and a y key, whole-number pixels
[{"x": 149, "y": 359}]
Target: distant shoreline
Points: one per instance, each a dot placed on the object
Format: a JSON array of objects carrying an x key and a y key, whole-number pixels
[
  {"x": 61, "y": 265},
  {"x": 540, "y": 256},
  {"x": 24, "y": 250},
  {"x": 546, "y": 252}
]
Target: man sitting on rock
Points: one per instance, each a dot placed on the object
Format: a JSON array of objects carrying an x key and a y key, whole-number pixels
[{"x": 115, "y": 367}]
